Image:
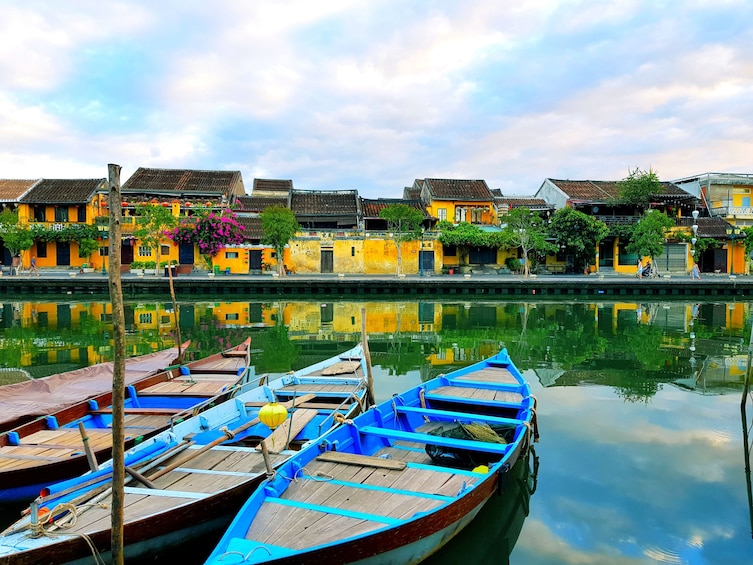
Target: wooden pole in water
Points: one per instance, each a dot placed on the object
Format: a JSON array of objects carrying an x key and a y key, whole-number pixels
[
  {"x": 118, "y": 374},
  {"x": 367, "y": 355},
  {"x": 175, "y": 309},
  {"x": 87, "y": 448}
]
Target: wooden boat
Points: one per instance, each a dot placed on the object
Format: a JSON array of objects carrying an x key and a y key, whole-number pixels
[
  {"x": 54, "y": 448},
  {"x": 370, "y": 492},
  {"x": 27, "y": 400},
  {"x": 201, "y": 471},
  {"x": 492, "y": 535}
]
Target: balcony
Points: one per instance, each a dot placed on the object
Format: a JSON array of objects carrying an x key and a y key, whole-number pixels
[{"x": 740, "y": 212}]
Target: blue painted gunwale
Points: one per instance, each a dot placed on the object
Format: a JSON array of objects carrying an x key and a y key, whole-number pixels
[{"x": 408, "y": 540}]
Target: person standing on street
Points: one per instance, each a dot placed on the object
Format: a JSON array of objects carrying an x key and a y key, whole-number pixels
[
  {"x": 33, "y": 270},
  {"x": 695, "y": 272}
]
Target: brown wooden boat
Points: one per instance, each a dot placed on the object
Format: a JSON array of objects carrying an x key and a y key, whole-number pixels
[
  {"x": 195, "y": 484},
  {"x": 53, "y": 448}
]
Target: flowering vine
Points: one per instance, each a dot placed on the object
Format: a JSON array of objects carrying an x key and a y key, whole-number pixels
[{"x": 210, "y": 232}]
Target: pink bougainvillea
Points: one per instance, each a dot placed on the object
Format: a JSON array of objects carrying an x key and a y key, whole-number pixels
[{"x": 210, "y": 233}]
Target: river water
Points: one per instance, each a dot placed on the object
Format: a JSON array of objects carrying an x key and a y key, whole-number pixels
[{"x": 641, "y": 458}]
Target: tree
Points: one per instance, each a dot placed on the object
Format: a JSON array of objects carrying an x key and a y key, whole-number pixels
[
  {"x": 153, "y": 223},
  {"x": 462, "y": 236},
  {"x": 404, "y": 222},
  {"x": 279, "y": 226},
  {"x": 16, "y": 236},
  {"x": 650, "y": 234},
  {"x": 638, "y": 187},
  {"x": 526, "y": 230},
  {"x": 579, "y": 233}
]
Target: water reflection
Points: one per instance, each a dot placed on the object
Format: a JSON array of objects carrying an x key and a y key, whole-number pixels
[
  {"x": 695, "y": 346},
  {"x": 639, "y": 403}
]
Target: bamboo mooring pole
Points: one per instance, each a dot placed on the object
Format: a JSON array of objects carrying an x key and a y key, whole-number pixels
[
  {"x": 118, "y": 375},
  {"x": 367, "y": 354}
]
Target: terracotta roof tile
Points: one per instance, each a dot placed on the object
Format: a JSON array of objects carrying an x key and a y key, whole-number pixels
[
  {"x": 324, "y": 203},
  {"x": 458, "y": 189},
  {"x": 184, "y": 181},
  {"x": 252, "y": 227},
  {"x": 371, "y": 208},
  {"x": 530, "y": 203},
  {"x": 272, "y": 188},
  {"x": 64, "y": 191},
  {"x": 254, "y": 204},
  {"x": 604, "y": 191},
  {"x": 411, "y": 193},
  {"x": 11, "y": 190}
]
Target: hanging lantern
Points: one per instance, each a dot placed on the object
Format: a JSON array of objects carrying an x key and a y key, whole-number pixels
[{"x": 273, "y": 414}]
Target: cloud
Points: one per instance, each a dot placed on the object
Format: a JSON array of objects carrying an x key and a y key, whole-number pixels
[{"x": 346, "y": 94}]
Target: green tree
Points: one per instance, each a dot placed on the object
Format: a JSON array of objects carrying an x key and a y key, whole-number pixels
[
  {"x": 639, "y": 187},
  {"x": 15, "y": 235},
  {"x": 463, "y": 236},
  {"x": 279, "y": 226},
  {"x": 650, "y": 234},
  {"x": 404, "y": 223},
  {"x": 153, "y": 222},
  {"x": 579, "y": 233},
  {"x": 526, "y": 230}
]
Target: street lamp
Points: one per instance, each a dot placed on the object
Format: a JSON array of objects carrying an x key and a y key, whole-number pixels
[{"x": 733, "y": 234}]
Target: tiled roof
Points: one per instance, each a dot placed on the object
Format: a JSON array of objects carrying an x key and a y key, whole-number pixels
[
  {"x": 11, "y": 190},
  {"x": 183, "y": 181},
  {"x": 603, "y": 191},
  {"x": 530, "y": 203},
  {"x": 63, "y": 191},
  {"x": 412, "y": 193},
  {"x": 252, "y": 227},
  {"x": 255, "y": 204},
  {"x": 715, "y": 228},
  {"x": 272, "y": 188},
  {"x": 372, "y": 208},
  {"x": 324, "y": 203},
  {"x": 458, "y": 189}
]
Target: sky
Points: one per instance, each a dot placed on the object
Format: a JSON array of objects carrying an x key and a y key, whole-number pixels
[{"x": 371, "y": 95}]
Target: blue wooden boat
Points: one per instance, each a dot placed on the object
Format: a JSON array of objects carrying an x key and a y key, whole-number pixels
[
  {"x": 53, "y": 448},
  {"x": 397, "y": 482},
  {"x": 196, "y": 475}
]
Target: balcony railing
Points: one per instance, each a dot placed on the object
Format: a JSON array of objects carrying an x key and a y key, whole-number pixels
[{"x": 737, "y": 211}]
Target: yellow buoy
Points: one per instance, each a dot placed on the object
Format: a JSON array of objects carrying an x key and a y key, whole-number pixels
[{"x": 273, "y": 414}]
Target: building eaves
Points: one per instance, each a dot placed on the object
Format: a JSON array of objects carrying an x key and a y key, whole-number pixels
[
  {"x": 459, "y": 189},
  {"x": 12, "y": 190},
  {"x": 372, "y": 208},
  {"x": 181, "y": 181},
  {"x": 63, "y": 191},
  {"x": 324, "y": 203}
]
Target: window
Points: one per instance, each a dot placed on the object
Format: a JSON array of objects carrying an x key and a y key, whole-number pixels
[
  {"x": 442, "y": 214},
  {"x": 104, "y": 251},
  {"x": 449, "y": 250},
  {"x": 232, "y": 317},
  {"x": 145, "y": 251},
  {"x": 476, "y": 215},
  {"x": 231, "y": 255},
  {"x": 41, "y": 249},
  {"x": 61, "y": 214},
  {"x": 39, "y": 213},
  {"x": 352, "y": 251},
  {"x": 81, "y": 213},
  {"x": 145, "y": 318},
  {"x": 164, "y": 250},
  {"x": 460, "y": 215}
]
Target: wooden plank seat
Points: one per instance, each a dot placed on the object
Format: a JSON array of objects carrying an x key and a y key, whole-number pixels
[
  {"x": 490, "y": 374},
  {"x": 229, "y": 372},
  {"x": 235, "y": 353},
  {"x": 476, "y": 396},
  {"x": 428, "y": 439},
  {"x": 452, "y": 415},
  {"x": 362, "y": 460},
  {"x": 278, "y": 439},
  {"x": 298, "y": 400},
  {"x": 146, "y": 411}
]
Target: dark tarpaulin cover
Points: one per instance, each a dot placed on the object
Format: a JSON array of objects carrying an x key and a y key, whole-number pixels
[{"x": 24, "y": 401}]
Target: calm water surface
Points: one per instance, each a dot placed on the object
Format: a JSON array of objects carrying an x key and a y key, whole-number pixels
[{"x": 641, "y": 458}]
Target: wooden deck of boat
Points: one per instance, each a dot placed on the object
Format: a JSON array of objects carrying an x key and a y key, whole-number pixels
[
  {"x": 214, "y": 471},
  {"x": 49, "y": 446},
  {"x": 332, "y": 500}
]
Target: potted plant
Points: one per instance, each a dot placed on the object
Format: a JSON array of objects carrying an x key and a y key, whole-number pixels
[{"x": 138, "y": 268}]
